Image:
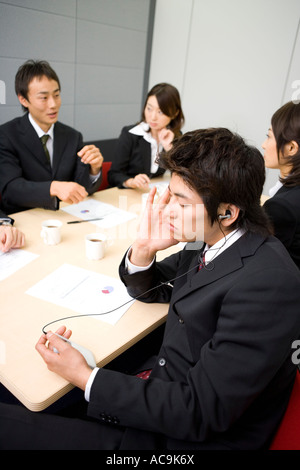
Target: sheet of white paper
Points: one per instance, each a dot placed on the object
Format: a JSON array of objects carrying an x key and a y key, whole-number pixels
[
  {"x": 14, "y": 260},
  {"x": 91, "y": 209},
  {"x": 84, "y": 292}
]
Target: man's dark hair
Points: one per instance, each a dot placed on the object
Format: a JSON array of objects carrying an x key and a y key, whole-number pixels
[
  {"x": 30, "y": 70},
  {"x": 221, "y": 168}
]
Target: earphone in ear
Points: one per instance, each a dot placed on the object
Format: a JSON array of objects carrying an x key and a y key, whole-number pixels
[{"x": 226, "y": 216}]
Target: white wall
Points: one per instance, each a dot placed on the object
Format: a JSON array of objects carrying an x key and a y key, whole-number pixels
[
  {"x": 97, "y": 48},
  {"x": 234, "y": 61}
]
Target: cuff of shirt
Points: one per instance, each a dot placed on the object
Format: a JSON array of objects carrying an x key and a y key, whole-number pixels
[
  {"x": 89, "y": 384},
  {"x": 94, "y": 178},
  {"x": 132, "y": 268},
  {"x": 7, "y": 219}
]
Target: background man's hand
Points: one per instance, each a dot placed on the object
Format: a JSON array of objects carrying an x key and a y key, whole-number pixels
[
  {"x": 68, "y": 191},
  {"x": 91, "y": 155}
]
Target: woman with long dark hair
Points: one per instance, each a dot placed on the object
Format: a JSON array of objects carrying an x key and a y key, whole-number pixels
[
  {"x": 138, "y": 146},
  {"x": 282, "y": 152}
]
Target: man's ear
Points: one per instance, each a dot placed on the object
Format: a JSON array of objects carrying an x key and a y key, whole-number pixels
[
  {"x": 227, "y": 214},
  {"x": 23, "y": 101}
]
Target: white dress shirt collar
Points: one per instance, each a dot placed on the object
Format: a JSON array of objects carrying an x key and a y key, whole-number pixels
[
  {"x": 275, "y": 188},
  {"x": 40, "y": 131},
  {"x": 142, "y": 129},
  {"x": 211, "y": 252}
]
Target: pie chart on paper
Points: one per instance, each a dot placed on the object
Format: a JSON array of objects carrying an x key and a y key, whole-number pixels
[{"x": 107, "y": 289}]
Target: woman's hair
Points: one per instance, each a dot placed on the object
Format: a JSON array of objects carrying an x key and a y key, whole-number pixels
[
  {"x": 30, "y": 70},
  {"x": 286, "y": 127},
  {"x": 169, "y": 102},
  {"x": 221, "y": 168}
]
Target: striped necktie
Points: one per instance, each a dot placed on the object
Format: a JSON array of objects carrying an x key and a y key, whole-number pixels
[{"x": 44, "y": 139}]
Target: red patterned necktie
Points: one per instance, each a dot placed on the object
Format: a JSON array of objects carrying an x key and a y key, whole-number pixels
[
  {"x": 145, "y": 374},
  {"x": 202, "y": 264}
]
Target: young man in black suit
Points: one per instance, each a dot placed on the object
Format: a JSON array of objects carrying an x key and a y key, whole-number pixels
[
  {"x": 37, "y": 174},
  {"x": 223, "y": 374}
]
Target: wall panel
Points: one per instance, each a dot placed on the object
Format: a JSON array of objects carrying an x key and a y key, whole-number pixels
[
  {"x": 233, "y": 61},
  {"x": 97, "y": 47}
]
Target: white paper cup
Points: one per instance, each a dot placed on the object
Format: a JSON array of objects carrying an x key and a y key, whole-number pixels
[
  {"x": 144, "y": 200},
  {"x": 51, "y": 231},
  {"x": 145, "y": 197},
  {"x": 96, "y": 245}
]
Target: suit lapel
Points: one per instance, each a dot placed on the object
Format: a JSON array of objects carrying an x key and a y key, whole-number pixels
[
  {"x": 283, "y": 189},
  {"x": 145, "y": 150},
  {"x": 31, "y": 141},
  {"x": 227, "y": 262},
  {"x": 58, "y": 148}
]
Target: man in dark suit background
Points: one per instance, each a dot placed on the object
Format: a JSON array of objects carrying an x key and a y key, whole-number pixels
[
  {"x": 37, "y": 174},
  {"x": 222, "y": 376}
]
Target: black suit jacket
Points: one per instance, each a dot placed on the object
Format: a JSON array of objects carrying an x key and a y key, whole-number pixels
[
  {"x": 25, "y": 174},
  {"x": 132, "y": 157},
  {"x": 223, "y": 376},
  {"x": 284, "y": 211}
]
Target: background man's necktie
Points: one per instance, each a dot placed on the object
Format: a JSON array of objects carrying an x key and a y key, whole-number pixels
[{"x": 44, "y": 139}]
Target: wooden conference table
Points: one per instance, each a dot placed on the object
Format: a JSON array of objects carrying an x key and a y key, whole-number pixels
[{"x": 22, "y": 316}]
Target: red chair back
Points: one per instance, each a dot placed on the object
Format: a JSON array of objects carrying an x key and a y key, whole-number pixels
[
  {"x": 287, "y": 436},
  {"x": 104, "y": 183}
]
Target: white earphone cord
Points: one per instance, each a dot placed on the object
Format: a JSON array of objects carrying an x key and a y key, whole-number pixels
[
  {"x": 116, "y": 308},
  {"x": 143, "y": 293}
]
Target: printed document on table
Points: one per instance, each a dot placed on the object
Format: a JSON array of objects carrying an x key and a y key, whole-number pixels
[
  {"x": 84, "y": 292},
  {"x": 14, "y": 260},
  {"x": 92, "y": 209}
]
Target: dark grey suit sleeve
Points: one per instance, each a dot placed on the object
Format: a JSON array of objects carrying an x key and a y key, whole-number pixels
[
  {"x": 16, "y": 191},
  {"x": 82, "y": 171},
  {"x": 119, "y": 171},
  {"x": 152, "y": 285}
]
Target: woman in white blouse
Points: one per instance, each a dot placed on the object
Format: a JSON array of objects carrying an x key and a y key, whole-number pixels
[{"x": 138, "y": 146}]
